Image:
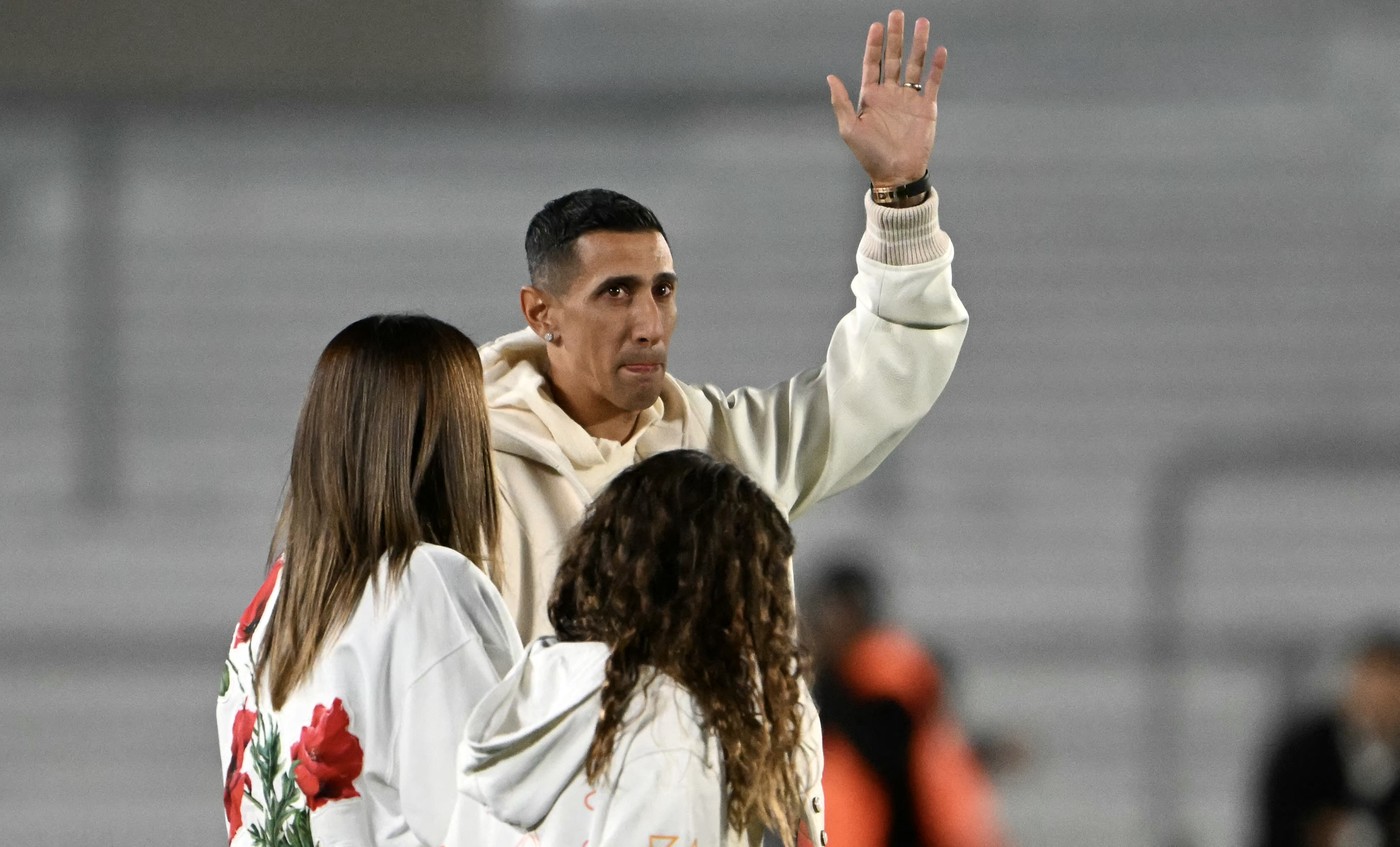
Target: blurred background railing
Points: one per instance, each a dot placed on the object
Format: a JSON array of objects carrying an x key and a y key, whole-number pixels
[
  {"x": 1171, "y": 221},
  {"x": 1312, "y": 465}
]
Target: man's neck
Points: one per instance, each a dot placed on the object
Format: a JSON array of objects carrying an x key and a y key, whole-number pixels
[{"x": 611, "y": 423}]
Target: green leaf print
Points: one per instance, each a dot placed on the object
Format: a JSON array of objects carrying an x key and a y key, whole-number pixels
[
  {"x": 299, "y": 830},
  {"x": 286, "y": 821}
]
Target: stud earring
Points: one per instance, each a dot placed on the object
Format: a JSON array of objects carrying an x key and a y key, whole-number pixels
[{"x": 549, "y": 338}]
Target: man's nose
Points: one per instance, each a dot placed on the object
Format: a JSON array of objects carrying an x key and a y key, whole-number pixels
[{"x": 647, "y": 322}]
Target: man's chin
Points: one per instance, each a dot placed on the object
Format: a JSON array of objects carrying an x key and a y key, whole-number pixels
[
  {"x": 640, "y": 398},
  {"x": 646, "y": 402}
]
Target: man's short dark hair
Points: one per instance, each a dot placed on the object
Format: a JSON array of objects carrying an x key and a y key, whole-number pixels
[{"x": 549, "y": 240}]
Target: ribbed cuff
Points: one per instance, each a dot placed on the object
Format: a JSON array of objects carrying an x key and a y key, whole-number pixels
[{"x": 903, "y": 236}]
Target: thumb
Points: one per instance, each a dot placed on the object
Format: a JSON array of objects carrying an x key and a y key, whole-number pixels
[{"x": 840, "y": 103}]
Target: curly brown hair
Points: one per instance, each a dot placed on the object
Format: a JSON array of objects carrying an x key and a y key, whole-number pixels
[{"x": 681, "y": 567}]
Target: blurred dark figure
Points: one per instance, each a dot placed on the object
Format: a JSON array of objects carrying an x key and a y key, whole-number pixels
[
  {"x": 1333, "y": 780},
  {"x": 899, "y": 769}
]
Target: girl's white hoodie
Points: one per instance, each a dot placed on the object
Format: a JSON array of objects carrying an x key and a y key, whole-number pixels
[{"x": 521, "y": 763}]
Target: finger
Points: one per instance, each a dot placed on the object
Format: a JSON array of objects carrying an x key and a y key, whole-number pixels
[
  {"x": 935, "y": 75},
  {"x": 914, "y": 71},
  {"x": 870, "y": 65},
  {"x": 894, "y": 47},
  {"x": 841, "y": 104}
]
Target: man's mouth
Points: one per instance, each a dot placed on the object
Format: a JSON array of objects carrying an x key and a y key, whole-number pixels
[{"x": 643, "y": 367}]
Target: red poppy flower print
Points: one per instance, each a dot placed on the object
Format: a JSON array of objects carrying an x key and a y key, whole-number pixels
[
  {"x": 236, "y": 782},
  {"x": 253, "y": 614},
  {"x": 328, "y": 757},
  {"x": 234, "y": 788}
]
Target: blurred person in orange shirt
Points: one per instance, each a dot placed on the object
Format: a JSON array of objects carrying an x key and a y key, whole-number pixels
[{"x": 899, "y": 768}]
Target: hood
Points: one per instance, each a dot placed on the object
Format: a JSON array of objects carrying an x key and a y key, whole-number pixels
[
  {"x": 513, "y": 367},
  {"x": 528, "y": 738}
]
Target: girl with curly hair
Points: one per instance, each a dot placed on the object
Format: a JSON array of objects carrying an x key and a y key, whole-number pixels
[{"x": 665, "y": 712}]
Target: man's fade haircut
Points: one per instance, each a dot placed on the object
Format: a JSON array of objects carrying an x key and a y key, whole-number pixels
[{"x": 549, "y": 240}]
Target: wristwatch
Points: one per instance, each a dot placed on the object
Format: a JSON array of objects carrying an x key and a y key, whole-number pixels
[{"x": 896, "y": 195}]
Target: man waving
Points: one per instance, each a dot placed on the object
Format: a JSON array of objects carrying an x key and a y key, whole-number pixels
[{"x": 584, "y": 391}]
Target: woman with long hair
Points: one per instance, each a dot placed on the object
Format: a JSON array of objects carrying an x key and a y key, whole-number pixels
[
  {"x": 378, "y": 628},
  {"x": 666, "y": 709}
]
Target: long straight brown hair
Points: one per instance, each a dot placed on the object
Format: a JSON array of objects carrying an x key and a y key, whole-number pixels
[
  {"x": 392, "y": 450},
  {"x": 681, "y": 566}
]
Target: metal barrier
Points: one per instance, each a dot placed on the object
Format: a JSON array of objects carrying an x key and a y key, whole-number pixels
[{"x": 1177, "y": 482}]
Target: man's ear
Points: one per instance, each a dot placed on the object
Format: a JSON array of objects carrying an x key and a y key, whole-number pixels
[{"x": 535, "y": 304}]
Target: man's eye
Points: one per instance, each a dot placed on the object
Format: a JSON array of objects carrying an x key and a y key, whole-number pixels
[
  {"x": 665, "y": 289},
  {"x": 616, "y": 291}
]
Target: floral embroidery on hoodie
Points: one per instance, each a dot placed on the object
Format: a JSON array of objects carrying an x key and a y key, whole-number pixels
[
  {"x": 236, "y": 781},
  {"x": 253, "y": 614},
  {"x": 282, "y": 789},
  {"x": 328, "y": 757}
]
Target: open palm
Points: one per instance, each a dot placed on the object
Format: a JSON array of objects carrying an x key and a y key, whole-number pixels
[{"x": 891, "y": 132}]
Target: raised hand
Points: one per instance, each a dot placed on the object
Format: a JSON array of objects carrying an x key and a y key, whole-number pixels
[{"x": 892, "y": 132}]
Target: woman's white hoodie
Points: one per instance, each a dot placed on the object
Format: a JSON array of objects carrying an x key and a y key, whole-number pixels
[{"x": 521, "y": 763}]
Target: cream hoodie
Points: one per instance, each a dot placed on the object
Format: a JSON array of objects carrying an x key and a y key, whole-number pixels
[
  {"x": 523, "y": 751},
  {"x": 805, "y": 439}
]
